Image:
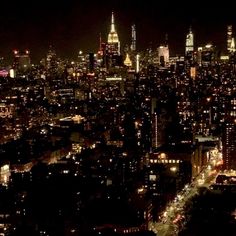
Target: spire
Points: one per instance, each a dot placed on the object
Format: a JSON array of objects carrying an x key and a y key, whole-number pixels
[
  {"x": 127, "y": 61},
  {"x": 112, "y": 22},
  {"x": 113, "y": 36},
  {"x": 166, "y": 39},
  {"x": 190, "y": 29},
  {"x": 232, "y": 45}
]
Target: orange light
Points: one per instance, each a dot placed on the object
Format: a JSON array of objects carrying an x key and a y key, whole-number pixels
[{"x": 219, "y": 163}]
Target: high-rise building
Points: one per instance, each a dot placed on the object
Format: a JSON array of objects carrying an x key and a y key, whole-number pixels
[
  {"x": 189, "y": 46},
  {"x": 113, "y": 43},
  {"x": 158, "y": 125},
  {"x": 229, "y": 134},
  {"x": 21, "y": 61},
  {"x": 206, "y": 55},
  {"x": 112, "y": 57},
  {"x": 163, "y": 55},
  {"x": 229, "y": 146},
  {"x": 229, "y": 37},
  {"x": 133, "y": 42},
  {"x": 137, "y": 68}
]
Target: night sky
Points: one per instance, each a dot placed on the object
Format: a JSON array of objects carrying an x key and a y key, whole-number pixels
[{"x": 71, "y": 25}]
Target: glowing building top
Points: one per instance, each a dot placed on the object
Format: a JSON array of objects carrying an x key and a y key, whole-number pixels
[
  {"x": 232, "y": 46},
  {"x": 189, "y": 47},
  {"x": 113, "y": 36},
  {"x": 127, "y": 61}
]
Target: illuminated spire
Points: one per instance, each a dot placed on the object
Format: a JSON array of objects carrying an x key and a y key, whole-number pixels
[
  {"x": 113, "y": 38},
  {"x": 112, "y": 22},
  {"x": 127, "y": 61},
  {"x": 232, "y": 45}
]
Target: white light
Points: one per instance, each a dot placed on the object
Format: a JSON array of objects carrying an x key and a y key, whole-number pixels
[
  {"x": 173, "y": 169},
  {"x": 12, "y": 73}
]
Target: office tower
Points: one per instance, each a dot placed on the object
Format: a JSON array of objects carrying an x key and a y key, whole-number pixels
[
  {"x": 229, "y": 145},
  {"x": 51, "y": 63},
  {"x": 229, "y": 37},
  {"x": 163, "y": 55},
  {"x": 21, "y": 61},
  {"x": 113, "y": 43},
  {"x": 229, "y": 135},
  {"x": 133, "y": 42},
  {"x": 207, "y": 55},
  {"x": 189, "y": 46}
]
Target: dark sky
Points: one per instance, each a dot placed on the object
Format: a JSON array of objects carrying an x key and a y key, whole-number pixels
[{"x": 72, "y": 25}]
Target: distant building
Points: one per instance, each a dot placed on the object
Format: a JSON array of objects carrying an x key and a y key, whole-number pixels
[
  {"x": 229, "y": 146},
  {"x": 113, "y": 43},
  {"x": 21, "y": 61},
  {"x": 229, "y": 134},
  {"x": 163, "y": 55},
  {"x": 133, "y": 42},
  {"x": 4, "y": 173},
  {"x": 189, "y": 50},
  {"x": 206, "y": 55},
  {"x": 189, "y": 46},
  {"x": 6, "y": 111},
  {"x": 112, "y": 54},
  {"x": 232, "y": 46},
  {"x": 229, "y": 37},
  {"x": 168, "y": 171}
]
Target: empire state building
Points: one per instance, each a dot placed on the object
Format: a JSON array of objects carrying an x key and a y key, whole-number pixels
[{"x": 113, "y": 43}]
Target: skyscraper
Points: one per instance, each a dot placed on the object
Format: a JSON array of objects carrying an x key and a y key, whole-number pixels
[
  {"x": 189, "y": 47},
  {"x": 113, "y": 59},
  {"x": 163, "y": 55},
  {"x": 229, "y": 37},
  {"x": 133, "y": 42},
  {"x": 229, "y": 144},
  {"x": 229, "y": 134},
  {"x": 21, "y": 61},
  {"x": 113, "y": 43}
]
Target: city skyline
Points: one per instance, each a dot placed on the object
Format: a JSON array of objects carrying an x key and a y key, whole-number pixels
[
  {"x": 70, "y": 26},
  {"x": 124, "y": 141}
]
